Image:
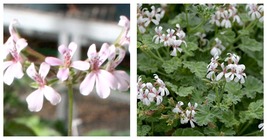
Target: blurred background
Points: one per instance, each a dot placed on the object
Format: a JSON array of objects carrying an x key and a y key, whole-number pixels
[{"x": 45, "y": 27}]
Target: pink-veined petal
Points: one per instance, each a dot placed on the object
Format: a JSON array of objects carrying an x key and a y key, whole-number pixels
[
  {"x": 219, "y": 76},
  {"x": 104, "y": 53},
  {"x": 112, "y": 54},
  {"x": 102, "y": 87},
  {"x": 53, "y": 61},
  {"x": 31, "y": 71},
  {"x": 72, "y": 47},
  {"x": 63, "y": 74},
  {"x": 51, "y": 95},
  {"x": 35, "y": 100},
  {"x": 88, "y": 84},
  {"x": 44, "y": 69},
  {"x": 80, "y": 65},
  {"x": 62, "y": 49},
  {"x": 109, "y": 78},
  {"x": 91, "y": 51}
]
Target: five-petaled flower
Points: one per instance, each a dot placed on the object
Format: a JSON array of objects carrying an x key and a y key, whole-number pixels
[
  {"x": 35, "y": 99},
  {"x": 103, "y": 79},
  {"x": 64, "y": 69}
]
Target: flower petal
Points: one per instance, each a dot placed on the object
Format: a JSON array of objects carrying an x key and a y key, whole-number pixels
[
  {"x": 102, "y": 86},
  {"x": 35, "y": 101},
  {"x": 104, "y": 52},
  {"x": 17, "y": 70},
  {"x": 9, "y": 75},
  {"x": 53, "y": 61},
  {"x": 63, "y": 74},
  {"x": 72, "y": 47},
  {"x": 21, "y": 44},
  {"x": 51, "y": 95},
  {"x": 62, "y": 49},
  {"x": 88, "y": 84},
  {"x": 31, "y": 71},
  {"x": 123, "y": 80},
  {"x": 7, "y": 64},
  {"x": 44, "y": 69},
  {"x": 80, "y": 65},
  {"x": 109, "y": 78},
  {"x": 91, "y": 51}
]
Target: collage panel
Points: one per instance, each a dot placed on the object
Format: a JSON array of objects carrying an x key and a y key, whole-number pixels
[
  {"x": 66, "y": 70},
  {"x": 200, "y": 69}
]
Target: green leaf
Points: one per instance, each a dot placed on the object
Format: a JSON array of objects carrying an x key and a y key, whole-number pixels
[
  {"x": 147, "y": 41},
  {"x": 143, "y": 130},
  {"x": 234, "y": 93},
  {"x": 224, "y": 131},
  {"x": 187, "y": 132},
  {"x": 13, "y": 128},
  {"x": 255, "y": 111},
  {"x": 146, "y": 64},
  {"x": 172, "y": 65},
  {"x": 199, "y": 68},
  {"x": 98, "y": 132},
  {"x": 252, "y": 87},
  {"x": 173, "y": 87},
  {"x": 191, "y": 47},
  {"x": 250, "y": 44},
  {"x": 205, "y": 115},
  {"x": 185, "y": 91},
  {"x": 226, "y": 36},
  {"x": 232, "y": 87},
  {"x": 227, "y": 117}
]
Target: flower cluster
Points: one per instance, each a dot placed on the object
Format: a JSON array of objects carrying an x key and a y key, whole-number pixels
[
  {"x": 174, "y": 38},
  {"x": 145, "y": 17},
  {"x": 255, "y": 11},
  {"x": 217, "y": 48},
  {"x": 186, "y": 115},
  {"x": 100, "y": 68},
  {"x": 148, "y": 92},
  {"x": 233, "y": 70},
  {"x": 225, "y": 16},
  {"x": 13, "y": 46}
]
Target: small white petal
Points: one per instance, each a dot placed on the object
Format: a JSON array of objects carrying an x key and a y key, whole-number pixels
[
  {"x": 51, "y": 95},
  {"x": 35, "y": 101}
]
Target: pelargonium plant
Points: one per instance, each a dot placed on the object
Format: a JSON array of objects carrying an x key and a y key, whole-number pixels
[
  {"x": 98, "y": 71},
  {"x": 207, "y": 63}
]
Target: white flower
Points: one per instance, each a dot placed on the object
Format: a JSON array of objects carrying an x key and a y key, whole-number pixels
[
  {"x": 217, "y": 48},
  {"x": 240, "y": 75},
  {"x": 221, "y": 74},
  {"x": 178, "y": 108},
  {"x": 156, "y": 38},
  {"x": 162, "y": 86},
  {"x": 226, "y": 19},
  {"x": 35, "y": 99}
]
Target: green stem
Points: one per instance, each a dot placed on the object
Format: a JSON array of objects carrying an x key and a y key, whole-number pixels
[
  {"x": 186, "y": 16},
  {"x": 244, "y": 128},
  {"x": 158, "y": 54},
  {"x": 70, "y": 93},
  {"x": 217, "y": 95},
  {"x": 252, "y": 133},
  {"x": 155, "y": 56}
]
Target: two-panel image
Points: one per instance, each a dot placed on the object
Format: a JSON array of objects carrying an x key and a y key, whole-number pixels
[{"x": 67, "y": 69}]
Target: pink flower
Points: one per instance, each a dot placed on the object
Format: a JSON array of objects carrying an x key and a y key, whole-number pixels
[
  {"x": 13, "y": 46},
  {"x": 122, "y": 78},
  {"x": 125, "y": 37},
  {"x": 67, "y": 52},
  {"x": 102, "y": 79},
  {"x": 35, "y": 99}
]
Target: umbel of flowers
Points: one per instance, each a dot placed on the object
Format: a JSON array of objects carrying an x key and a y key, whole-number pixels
[
  {"x": 99, "y": 67},
  {"x": 148, "y": 92},
  {"x": 173, "y": 38},
  {"x": 232, "y": 71}
]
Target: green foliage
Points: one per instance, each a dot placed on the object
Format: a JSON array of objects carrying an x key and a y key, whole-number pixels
[
  {"x": 198, "y": 68},
  {"x": 224, "y": 108}
]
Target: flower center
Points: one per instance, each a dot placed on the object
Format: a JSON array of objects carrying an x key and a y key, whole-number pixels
[
  {"x": 67, "y": 58},
  {"x": 41, "y": 82}
]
